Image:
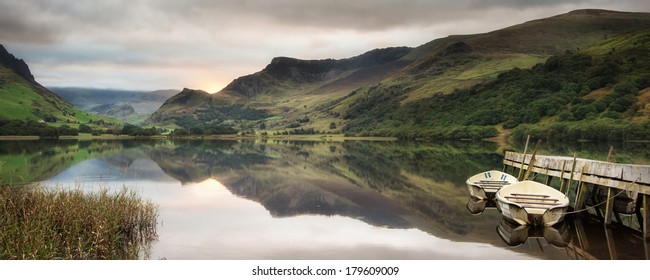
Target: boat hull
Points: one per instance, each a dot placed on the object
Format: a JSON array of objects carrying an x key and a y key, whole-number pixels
[
  {"x": 532, "y": 203},
  {"x": 485, "y": 185},
  {"x": 521, "y": 216}
]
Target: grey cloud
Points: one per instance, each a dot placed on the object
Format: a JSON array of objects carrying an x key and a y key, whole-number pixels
[
  {"x": 226, "y": 34},
  {"x": 365, "y": 15},
  {"x": 50, "y": 21},
  {"x": 18, "y": 24}
]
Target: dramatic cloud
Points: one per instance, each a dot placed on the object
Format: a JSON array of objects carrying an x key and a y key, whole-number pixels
[{"x": 205, "y": 44}]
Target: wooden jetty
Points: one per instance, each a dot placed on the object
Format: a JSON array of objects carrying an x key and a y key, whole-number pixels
[{"x": 578, "y": 176}]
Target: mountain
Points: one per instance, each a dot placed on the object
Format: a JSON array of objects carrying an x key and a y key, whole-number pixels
[
  {"x": 420, "y": 92},
  {"x": 270, "y": 91},
  {"x": 129, "y": 106},
  {"x": 25, "y": 99}
]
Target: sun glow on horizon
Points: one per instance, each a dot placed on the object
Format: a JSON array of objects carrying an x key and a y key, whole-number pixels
[{"x": 211, "y": 86}]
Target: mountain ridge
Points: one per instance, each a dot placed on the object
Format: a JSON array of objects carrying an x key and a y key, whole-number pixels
[
  {"x": 17, "y": 65},
  {"x": 375, "y": 99}
]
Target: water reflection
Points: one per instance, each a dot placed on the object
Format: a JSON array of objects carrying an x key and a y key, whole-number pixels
[
  {"x": 477, "y": 206},
  {"x": 291, "y": 199},
  {"x": 515, "y": 235}
]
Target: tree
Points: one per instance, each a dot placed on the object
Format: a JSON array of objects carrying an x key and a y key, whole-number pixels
[
  {"x": 332, "y": 125},
  {"x": 84, "y": 128}
]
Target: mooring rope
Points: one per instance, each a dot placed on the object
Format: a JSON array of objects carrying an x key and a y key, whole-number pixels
[{"x": 599, "y": 204}]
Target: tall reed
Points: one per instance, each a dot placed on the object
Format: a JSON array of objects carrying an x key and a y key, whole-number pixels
[{"x": 37, "y": 223}]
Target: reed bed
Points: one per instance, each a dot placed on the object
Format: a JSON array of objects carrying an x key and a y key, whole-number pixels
[{"x": 42, "y": 224}]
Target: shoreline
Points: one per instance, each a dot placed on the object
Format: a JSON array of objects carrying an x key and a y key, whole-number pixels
[
  {"x": 315, "y": 137},
  {"x": 500, "y": 139}
]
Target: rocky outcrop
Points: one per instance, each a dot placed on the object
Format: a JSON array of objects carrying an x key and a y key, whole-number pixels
[
  {"x": 286, "y": 70},
  {"x": 17, "y": 65}
]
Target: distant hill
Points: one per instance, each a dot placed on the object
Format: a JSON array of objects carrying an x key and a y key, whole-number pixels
[
  {"x": 129, "y": 106},
  {"x": 193, "y": 107},
  {"x": 22, "y": 98},
  {"x": 401, "y": 91}
]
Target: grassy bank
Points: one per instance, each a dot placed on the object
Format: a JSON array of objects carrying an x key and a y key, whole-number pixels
[{"x": 42, "y": 224}]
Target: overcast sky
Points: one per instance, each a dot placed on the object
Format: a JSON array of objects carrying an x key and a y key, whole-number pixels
[{"x": 205, "y": 44}]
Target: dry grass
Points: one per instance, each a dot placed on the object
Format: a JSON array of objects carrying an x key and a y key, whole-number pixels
[{"x": 42, "y": 224}]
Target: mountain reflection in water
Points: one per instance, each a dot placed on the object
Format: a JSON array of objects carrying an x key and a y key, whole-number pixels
[{"x": 292, "y": 199}]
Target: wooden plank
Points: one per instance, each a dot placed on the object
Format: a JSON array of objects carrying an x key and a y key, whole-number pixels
[
  {"x": 529, "y": 194},
  {"x": 527, "y": 205},
  {"x": 562, "y": 177},
  {"x": 646, "y": 219},
  {"x": 524, "y": 157},
  {"x": 571, "y": 175},
  {"x": 609, "y": 208},
  {"x": 547, "y": 180},
  {"x": 611, "y": 246},
  {"x": 535, "y": 203},
  {"x": 581, "y": 191},
  {"x": 532, "y": 160},
  {"x": 531, "y": 198}
]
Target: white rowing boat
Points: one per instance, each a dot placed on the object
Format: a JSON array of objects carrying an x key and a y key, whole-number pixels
[
  {"x": 532, "y": 203},
  {"x": 485, "y": 184}
]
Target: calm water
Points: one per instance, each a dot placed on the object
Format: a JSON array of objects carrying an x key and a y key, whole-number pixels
[{"x": 318, "y": 200}]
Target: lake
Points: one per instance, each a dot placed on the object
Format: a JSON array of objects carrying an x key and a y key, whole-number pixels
[{"x": 321, "y": 200}]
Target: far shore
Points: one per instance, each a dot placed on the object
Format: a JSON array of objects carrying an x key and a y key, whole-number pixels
[{"x": 316, "y": 137}]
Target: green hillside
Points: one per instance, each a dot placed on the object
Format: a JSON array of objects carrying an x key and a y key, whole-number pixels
[
  {"x": 470, "y": 86},
  {"x": 25, "y": 100},
  {"x": 594, "y": 94}
]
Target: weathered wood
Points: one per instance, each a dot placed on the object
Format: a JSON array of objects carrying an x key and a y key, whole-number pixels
[
  {"x": 531, "y": 198},
  {"x": 633, "y": 179},
  {"x": 614, "y": 175},
  {"x": 611, "y": 246},
  {"x": 631, "y": 172},
  {"x": 523, "y": 158},
  {"x": 609, "y": 208},
  {"x": 532, "y": 159},
  {"x": 562, "y": 176},
  {"x": 547, "y": 180},
  {"x": 580, "y": 196},
  {"x": 646, "y": 217},
  {"x": 573, "y": 169},
  {"x": 581, "y": 190},
  {"x": 530, "y": 194}
]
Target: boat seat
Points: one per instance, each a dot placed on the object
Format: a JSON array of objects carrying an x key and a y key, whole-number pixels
[
  {"x": 532, "y": 198},
  {"x": 492, "y": 182},
  {"x": 535, "y": 206},
  {"x": 490, "y": 187},
  {"x": 532, "y": 195},
  {"x": 536, "y": 203}
]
